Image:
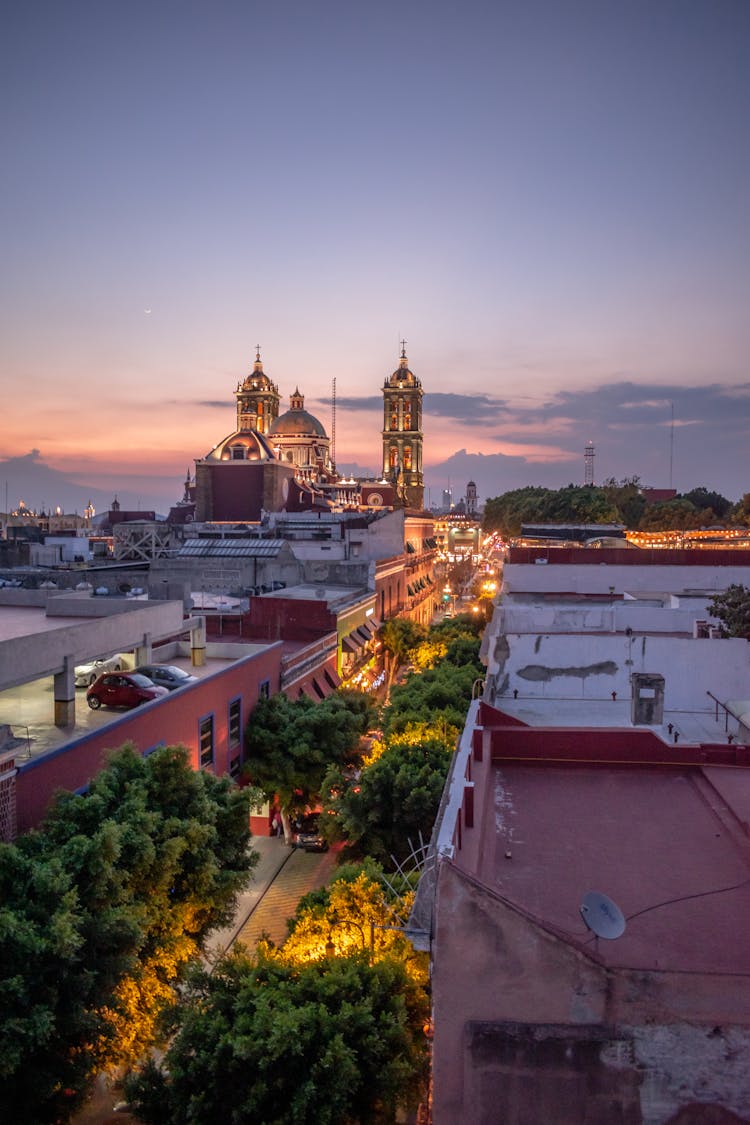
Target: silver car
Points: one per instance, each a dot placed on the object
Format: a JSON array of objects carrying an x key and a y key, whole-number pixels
[{"x": 167, "y": 675}]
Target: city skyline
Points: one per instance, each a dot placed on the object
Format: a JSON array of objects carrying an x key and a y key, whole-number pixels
[{"x": 548, "y": 201}]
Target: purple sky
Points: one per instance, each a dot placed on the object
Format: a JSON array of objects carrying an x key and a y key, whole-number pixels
[{"x": 548, "y": 200}]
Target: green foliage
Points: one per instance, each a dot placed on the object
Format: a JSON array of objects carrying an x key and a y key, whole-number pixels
[
  {"x": 741, "y": 511},
  {"x": 732, "y": 609},
  {"x": 572, "y": 504},
  {"x": 327, "y": 1043},
  {"x": 675, "y": 515},
  {"x": 395, "y": 799},
  {"x": 705, "y": 499},
  {"x": 291, "y": 744},
  {"x": 613, "y": 502},
  {"x": 443, "y": 692},
  {"x": 103, "y": 906}
]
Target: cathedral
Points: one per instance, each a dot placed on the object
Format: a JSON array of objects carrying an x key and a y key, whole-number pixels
[{"x": 284, "y": 462}]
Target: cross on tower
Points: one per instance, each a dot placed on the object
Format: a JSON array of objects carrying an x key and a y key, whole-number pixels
[{"x": 403, "y": 349}]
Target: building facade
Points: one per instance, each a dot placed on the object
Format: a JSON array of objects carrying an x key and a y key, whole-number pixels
[{"x": 402, "y": 433}]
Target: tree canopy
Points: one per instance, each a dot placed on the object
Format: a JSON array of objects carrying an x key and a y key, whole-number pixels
[
  {"x": 102, "y": 908},
  {"x": 613, "y": 502},
  {"x": 732, "y": 609},
  {"x": 291, "y": 744},
  {"x": 327, "y": 1042}
]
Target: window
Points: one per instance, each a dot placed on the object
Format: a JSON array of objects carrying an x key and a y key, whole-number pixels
[
  {"x": 234, "y": 766},
  {"x": 235, "y": 724},
  {"x": 207, "y": 741},
  {"x": 264, "y": 690}
]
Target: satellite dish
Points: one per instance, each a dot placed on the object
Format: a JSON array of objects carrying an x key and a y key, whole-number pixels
[{"x": 602, "y": 916}]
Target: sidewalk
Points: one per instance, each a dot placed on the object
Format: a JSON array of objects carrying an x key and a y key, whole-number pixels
[{"x": 273, "y": 853}]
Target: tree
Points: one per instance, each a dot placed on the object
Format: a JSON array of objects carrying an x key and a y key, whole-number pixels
[
  {"x": 103, "y": 907},
  {"x": 291, "y": 744},
  {"x": 732, "y": 609},
  {"x": 399, "y": 638},
  {"x": 394, "y": 800},
  {"x": 354, "y": 914},
  {"x": 675, "y": 515},
  {"x": 703, "y": 498},
  {"x": 330, "y": 1042}
]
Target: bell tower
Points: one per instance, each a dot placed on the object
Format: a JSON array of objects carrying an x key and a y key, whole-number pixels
[
  {"x": 257, "y": 399},
  {"x": 402, "y": 433}
]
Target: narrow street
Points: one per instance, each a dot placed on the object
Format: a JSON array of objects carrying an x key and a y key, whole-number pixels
[
  {"x": 281, "y": 877},
  {"x": 302, "y": 872}
]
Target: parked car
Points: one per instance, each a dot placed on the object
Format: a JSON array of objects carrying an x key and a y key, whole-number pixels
[
  {"x": 166, "y": 675},
  {"x": 123, "y": 689},
  {"x": 88, "y": 674},
  {"x": 306, "y": 834}
]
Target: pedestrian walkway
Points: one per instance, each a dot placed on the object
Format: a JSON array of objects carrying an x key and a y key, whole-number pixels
[
  {"x": 273, "y": 854},
  {"x": 301, "y": 873}
]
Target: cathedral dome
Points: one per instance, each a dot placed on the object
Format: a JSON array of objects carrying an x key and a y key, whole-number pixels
[
  {"x": 243, "y": 445},
  {"x": 297, "y": 422}
]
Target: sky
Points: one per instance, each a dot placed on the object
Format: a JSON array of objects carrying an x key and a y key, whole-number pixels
[{"x": 548, "y": 199}]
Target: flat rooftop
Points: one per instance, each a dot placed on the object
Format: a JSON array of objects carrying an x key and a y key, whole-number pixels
[
  {"x": 693, "y": 726},
  {"x": 668, "y": 845},
  {"x": 29, "y": 708},
  {"x": 25, "y": 621}
]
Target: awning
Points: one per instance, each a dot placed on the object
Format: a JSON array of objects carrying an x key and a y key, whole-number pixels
[
  {"x": 352, "y": 643},
  {"x": 333, "y": 678},
  {"x": 364, "y": 633}
]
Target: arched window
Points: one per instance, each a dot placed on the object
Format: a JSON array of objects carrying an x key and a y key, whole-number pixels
[{"x": 393, "y": 457}]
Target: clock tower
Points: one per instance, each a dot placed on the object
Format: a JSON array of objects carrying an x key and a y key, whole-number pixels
[{"x": 402, "y": 433}]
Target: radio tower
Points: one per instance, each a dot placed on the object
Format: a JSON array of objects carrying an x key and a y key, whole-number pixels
[
  {"x": 588, "y": 463},
  {"x": 333, "y": 423}
]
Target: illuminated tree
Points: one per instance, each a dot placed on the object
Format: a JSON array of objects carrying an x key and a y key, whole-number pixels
[
  {"x": 330, "y": 1042},
  {"x": 103, "y": 907}
]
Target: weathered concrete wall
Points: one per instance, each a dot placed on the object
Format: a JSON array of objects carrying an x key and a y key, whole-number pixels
[
  {"x": 591, "y": 667},
  {"x": 529, "y": 1029},
  {"x": 530, "y": 578}
]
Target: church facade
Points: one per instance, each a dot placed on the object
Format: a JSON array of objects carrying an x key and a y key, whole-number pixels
[{"x": 276, "y": 461}]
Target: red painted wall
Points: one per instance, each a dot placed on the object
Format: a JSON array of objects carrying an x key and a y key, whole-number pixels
[
  {"x": 274, "y": 618},
  {"x": 624, "y": 556},
  {"x": 172, "y": 720}
]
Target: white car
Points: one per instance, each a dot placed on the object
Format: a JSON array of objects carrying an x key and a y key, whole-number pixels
[{"x": 87, "y": 674}]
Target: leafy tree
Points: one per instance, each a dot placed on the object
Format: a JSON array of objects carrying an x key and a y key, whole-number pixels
[
  {"x": 103, "y": 906},
  {"x": 394, "y": 800},
  {"x": 675, "y": 515},
  {"x": 741, "y": 511},
  {"x": 291, "y": 744},
  {"x": 627, "y": 499},
  {"x": 399, "y": 638},
  {"x": 732, "y": 609},
  {"x": 443, "y": 692},
  {"x": 353, "y": 914},
  {"x": 703, "y": 498},
  {"x": 326, "y": 1043}
]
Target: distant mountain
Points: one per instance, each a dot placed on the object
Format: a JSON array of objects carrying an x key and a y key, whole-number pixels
[{"x": 31, "y": 479}]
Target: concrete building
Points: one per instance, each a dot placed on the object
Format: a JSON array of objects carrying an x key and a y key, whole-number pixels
[{"x": 604, "y": 757}]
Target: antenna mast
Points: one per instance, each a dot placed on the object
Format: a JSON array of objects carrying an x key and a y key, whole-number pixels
[
  {"x": 333, "y": 423},
  {"x": 671, "y": 445}
]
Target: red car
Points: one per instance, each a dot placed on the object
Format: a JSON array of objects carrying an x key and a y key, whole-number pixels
[{"x": 122, "y": 689}]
